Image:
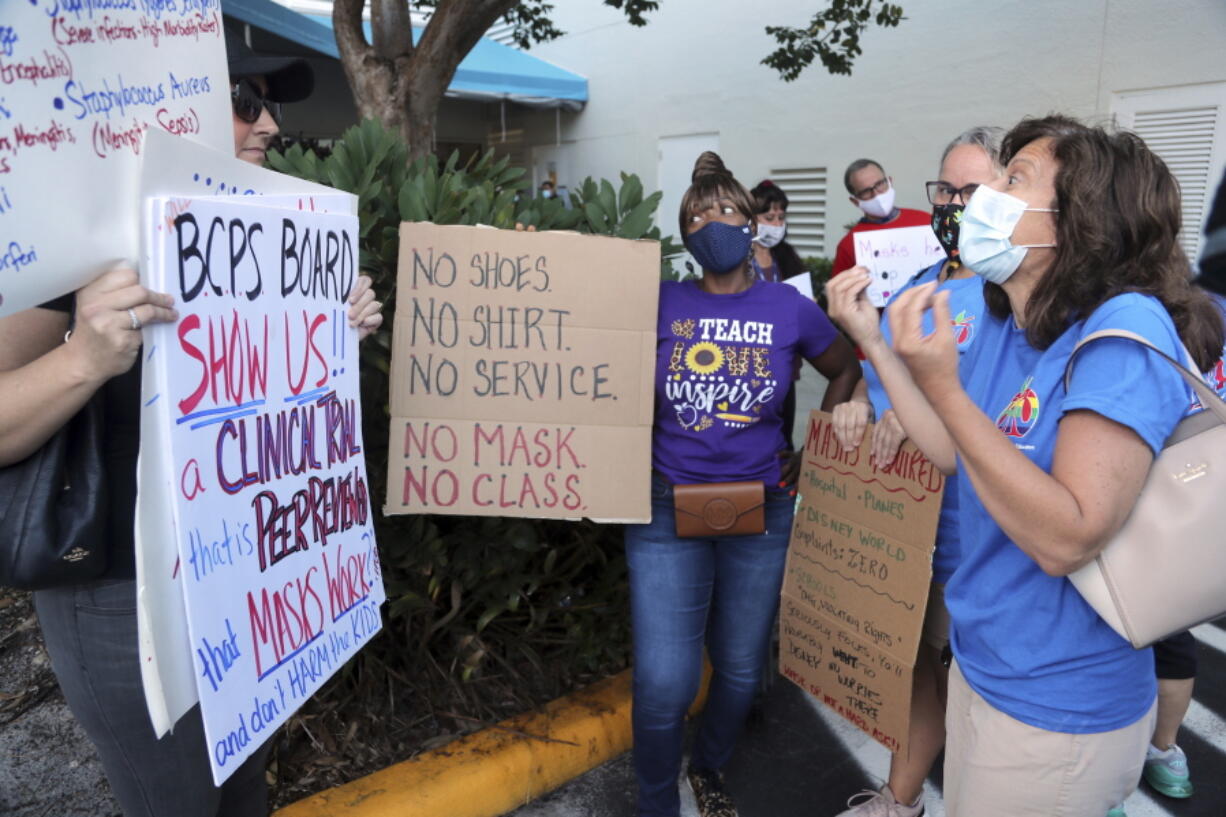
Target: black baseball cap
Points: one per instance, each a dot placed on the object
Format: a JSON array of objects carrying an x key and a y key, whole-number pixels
[{"x": 290, "y": 79}]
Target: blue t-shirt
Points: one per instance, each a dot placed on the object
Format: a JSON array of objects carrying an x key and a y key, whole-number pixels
[
  {"x": 1027, "y": 642},
  {"x": 966, "y": 306},
  {"x": 723, "y": 369}
]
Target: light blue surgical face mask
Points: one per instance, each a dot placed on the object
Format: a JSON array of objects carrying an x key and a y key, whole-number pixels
[{"x": 987, "y": 225}]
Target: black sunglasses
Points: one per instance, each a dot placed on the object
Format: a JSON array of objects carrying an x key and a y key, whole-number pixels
[{"x": 249, "y": 103}]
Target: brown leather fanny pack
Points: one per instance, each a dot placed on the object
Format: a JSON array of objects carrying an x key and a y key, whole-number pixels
[{"x": 720, "y": 508}]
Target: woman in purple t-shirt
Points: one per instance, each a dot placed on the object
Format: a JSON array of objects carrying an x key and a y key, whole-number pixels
[{"x": 724, "y": 354}]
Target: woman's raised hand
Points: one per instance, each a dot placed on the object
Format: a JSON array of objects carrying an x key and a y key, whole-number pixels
[
  {"x": 849, "y": 306},
  {"x": 111, "y": 310},
  {"x": 932, "y": 357}
]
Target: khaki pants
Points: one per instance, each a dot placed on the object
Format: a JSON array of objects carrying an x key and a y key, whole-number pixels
[{"x": 996, "y": 765}]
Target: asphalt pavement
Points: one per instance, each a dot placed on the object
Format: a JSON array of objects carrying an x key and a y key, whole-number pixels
[{"x": 799, "y": 758}]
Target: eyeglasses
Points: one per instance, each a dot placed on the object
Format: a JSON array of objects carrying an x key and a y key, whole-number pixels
[
  {"x": 944, "y": 193},
  {"x": 249, "y": 102},
  {"x": 875, "y": 189}
]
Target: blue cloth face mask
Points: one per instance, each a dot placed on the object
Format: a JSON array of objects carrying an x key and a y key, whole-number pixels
[
  {"x": 718, "y": 247},
  {"x": 987, "y": 225}
]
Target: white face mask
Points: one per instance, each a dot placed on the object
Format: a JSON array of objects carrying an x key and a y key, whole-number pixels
[
  {"x": 987, "y": 225},
  {"x": 770, "y": 234},
  {"x": 878, "y": 206}
]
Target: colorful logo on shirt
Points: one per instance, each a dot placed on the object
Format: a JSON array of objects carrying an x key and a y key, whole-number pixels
[
  {"x": 719, "y": 372},
  {"x": 1215, "y": 378},
  {"x": 964, "y": 328},
  {"x": 1021, "y": 414}
]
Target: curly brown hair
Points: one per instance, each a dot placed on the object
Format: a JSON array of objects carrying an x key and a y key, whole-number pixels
[
  {"x": 710, "y": 182},
  {"x": 1116, "y": 231}
]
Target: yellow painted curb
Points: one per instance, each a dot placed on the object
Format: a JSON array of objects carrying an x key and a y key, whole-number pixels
[{"x": 493, "y": 771}]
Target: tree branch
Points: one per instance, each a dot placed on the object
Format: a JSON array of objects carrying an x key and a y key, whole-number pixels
[
  {"x": 391, "y": 30},
  {"x": 347, "y": 24},
  {"x": 453, "y": 30}
]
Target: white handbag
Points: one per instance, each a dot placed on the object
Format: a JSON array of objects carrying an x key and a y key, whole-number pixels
[{"x": 1165, "y": 570}]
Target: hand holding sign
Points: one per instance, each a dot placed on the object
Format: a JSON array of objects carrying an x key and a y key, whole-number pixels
[
  {"x": 849, "y": 306},
  {"x": 893, "y": 256},
  {"x": 110, "y": 312}
]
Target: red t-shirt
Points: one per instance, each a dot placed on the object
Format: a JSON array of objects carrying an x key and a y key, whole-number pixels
[{"x": 845, "y": 253}]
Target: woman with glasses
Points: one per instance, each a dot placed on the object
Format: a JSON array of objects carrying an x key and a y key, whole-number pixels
[
  {"x": 971, "y": 159},
  {"x": 1049, "y": 710},
  {"x": 90, "y": 629}
]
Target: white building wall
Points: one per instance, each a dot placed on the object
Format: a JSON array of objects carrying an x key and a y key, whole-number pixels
[{"x": 695, "y": 68}]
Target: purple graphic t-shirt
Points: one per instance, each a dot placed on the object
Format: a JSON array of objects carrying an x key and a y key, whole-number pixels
[{"x": 723, "y": 368}]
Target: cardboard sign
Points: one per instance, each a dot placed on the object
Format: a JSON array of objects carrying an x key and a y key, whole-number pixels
[
  {"x": 522, "y": 374},
  {"x": 177, "y": 169},
  {"x": 80, "y": 84},
  {"x": 894, "y": 256},
  {"x": 258, "y": 409},
  {"x": 856, "y": 583}
]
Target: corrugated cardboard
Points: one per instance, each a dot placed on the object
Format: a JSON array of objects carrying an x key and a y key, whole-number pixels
[
  {"x": 522, "y": 374},
  {"x": 858, "y": 572}
]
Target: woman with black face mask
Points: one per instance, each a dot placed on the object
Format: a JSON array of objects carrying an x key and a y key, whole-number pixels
[
  {"x": 971, "y": 159},
  {"x": 709, "y": 565}
]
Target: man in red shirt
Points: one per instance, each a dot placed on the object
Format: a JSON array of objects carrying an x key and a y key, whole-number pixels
[{"x": 873, "y": 192}]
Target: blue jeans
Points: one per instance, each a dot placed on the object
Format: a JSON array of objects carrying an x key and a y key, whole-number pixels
[
  {"x": 726, "y": 589},
  {"x": 90, "y": 632}
]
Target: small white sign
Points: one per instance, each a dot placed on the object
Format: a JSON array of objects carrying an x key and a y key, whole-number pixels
[{"x": 893, "y": 256}]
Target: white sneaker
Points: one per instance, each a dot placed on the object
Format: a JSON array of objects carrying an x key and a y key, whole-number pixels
[{"x": 882, "y": 804}]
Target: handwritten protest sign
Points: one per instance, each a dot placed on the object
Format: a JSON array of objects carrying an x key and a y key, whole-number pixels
[
  {"x": 856, "y": 584},
  {"x": 80, "y": 83},
  {"x": 177, "y": 169},
  {"x": 522, "y": 374},
  {"x": 257, "y": 406},
  {"x": 893, "y": 256}
]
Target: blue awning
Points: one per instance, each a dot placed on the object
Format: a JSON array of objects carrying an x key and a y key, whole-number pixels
[
  {"x": 490, "y": 72},
  {"x": 284, "y": 22}
]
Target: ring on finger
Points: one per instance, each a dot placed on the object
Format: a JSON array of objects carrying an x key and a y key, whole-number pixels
[{"x": 136, "y": 324}]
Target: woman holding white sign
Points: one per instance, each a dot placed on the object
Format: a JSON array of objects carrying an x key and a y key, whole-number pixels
[
  {"x": 710, "y": 564},
  {"x": 1050, "y": 710},
  {"x": 48, "y": 372},
  {"x": 971, "y": 159}
]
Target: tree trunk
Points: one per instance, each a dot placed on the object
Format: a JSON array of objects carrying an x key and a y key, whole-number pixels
[{"x": 400, "y": 83}]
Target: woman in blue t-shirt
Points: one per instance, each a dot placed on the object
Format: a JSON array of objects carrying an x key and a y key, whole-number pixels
[
  {"x": 725, "y": 346},
  {"x": 971, "y": 159},
  {"x": 1049, "y": 709}
]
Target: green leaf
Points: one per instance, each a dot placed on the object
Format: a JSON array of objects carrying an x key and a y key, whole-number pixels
[
  {"x": 638, "y": 221},
  {"x": 608, "y": 200},
  {"x": 631, "y": 194},
  {"x": 596, "y": 218}
]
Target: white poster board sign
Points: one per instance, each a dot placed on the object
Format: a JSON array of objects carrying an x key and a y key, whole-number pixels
[
  {"x": 257, "y": 396},
  {"x": 893, "y": 256},
  {"x": 80, "y": 84},
  {"x": 179, "y": 170}
]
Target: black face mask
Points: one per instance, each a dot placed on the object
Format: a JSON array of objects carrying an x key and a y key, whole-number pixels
[{"x": 946, "y": 222}]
